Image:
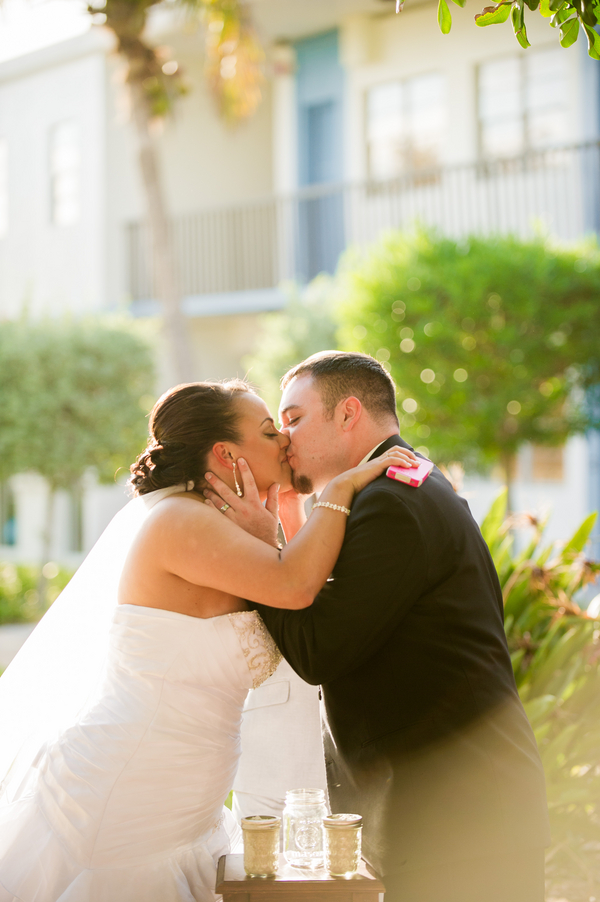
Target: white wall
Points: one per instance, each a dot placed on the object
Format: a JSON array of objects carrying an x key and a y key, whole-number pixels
[
  {"x": 565, "y": 503},
  {"x": 395, "y": 47},
  {"x": 48, "y": 267}
]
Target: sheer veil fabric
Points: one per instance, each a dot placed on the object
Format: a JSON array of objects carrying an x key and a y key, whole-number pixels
[{"x": 57, "y": 671}]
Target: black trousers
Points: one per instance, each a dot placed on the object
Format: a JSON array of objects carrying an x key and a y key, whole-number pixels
[{"x": 514, "y": 877}]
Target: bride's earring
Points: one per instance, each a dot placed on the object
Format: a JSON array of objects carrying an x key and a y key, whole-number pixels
[{"x": 237, "y": 485}]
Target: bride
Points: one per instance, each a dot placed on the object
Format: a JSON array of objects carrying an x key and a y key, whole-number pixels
[{"x": 120, "y": 717}]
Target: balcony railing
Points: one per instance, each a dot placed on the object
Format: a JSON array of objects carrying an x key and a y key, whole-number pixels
[{"x": 260, "y": 244}]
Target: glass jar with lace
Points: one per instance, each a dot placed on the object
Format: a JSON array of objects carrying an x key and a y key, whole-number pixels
[
  {"x": 303, "y": 827},
  {"x": 261, "y": 844},
  {"x": 342, "y": 844}
]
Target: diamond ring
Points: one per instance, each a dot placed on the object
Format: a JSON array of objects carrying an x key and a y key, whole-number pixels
[{"x": 225, "y": 508}]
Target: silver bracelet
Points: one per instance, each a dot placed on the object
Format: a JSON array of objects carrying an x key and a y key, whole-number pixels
[{"x": 334, "y": 507}]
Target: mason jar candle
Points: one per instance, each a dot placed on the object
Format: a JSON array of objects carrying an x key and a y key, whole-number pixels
[
  {"x": 303, "y": 827},
  {"x": 261, "y": 844},
  {"x": 342, "y": 844}
]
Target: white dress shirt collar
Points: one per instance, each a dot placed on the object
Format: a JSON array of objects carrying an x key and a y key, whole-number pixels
[{"x": 372, "y": 452}]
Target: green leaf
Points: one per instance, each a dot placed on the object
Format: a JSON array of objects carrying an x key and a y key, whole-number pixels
[
  {"x": 518, "y": 21},
  {"x": 561, "y": 16},
  {"x": 518, "y": 17},
  {"x": 460, "y": 3},
  {"x": 493, "y": 15},
  {"x": 569, "y": 32},
  {"x": 532, "y": 4},
  {"x": 555, "y": 5},
  {"x": 579, "y": 539},
  {"x": 444, "y": 17},
  {"x": 538, "y": 709},
  {"x": 494, "y": 518},
  {"x": 593, "y": 39},
  {"x": 545, "y": 9}
]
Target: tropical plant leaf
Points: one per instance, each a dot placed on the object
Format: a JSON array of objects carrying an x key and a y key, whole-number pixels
[
  {"x": 578, "y": 541},
  {"x": 494, "y": 15},
  {"x": 494, "y": 518},
  {"x": 539, "y": 708}
]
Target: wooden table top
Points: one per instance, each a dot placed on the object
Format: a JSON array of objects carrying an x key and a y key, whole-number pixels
[{"x": 231, "y": 878}]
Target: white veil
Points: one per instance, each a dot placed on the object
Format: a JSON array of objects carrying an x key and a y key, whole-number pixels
[{"x": 55, "y": 673}]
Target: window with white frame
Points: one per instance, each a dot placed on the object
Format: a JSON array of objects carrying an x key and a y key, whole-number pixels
[
  {"x": 65, "y": 162},
  {"x": 3, "y": 187},
  {"x": 523, "y": 103},
  {"x": 406, "y": 124}
]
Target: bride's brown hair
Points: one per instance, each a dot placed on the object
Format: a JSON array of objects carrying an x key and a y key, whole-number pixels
[{"x": 184, "y": 425}]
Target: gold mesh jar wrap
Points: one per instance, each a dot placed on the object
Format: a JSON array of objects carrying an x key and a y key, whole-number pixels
[
  {"x": 343, "y": 834},
  {"x": 261, "y": 844}
]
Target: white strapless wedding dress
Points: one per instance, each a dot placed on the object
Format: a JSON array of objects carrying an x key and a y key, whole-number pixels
[{"x": 127, "y": 804}]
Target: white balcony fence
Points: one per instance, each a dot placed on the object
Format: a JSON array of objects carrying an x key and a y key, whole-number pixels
[{"x": 258, "y": 245}]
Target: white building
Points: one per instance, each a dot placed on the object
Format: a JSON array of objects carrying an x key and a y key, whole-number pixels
[{"x": 369, "y": 120}]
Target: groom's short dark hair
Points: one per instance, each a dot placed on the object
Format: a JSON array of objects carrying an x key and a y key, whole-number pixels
[{"x": 339, "y": 375}]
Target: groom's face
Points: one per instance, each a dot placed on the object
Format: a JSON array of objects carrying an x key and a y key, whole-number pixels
[{"x": 314, "y": 449}]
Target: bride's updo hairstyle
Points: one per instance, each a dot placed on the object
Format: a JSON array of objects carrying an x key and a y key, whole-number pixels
[{"x": 184, "y": 425}]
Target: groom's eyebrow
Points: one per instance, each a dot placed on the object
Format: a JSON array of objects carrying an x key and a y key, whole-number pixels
[
  {"x": 268, "y": 420},
  {"x": 289, "y": 407}
]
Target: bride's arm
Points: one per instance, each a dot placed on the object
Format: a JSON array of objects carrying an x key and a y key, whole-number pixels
[{"x": 203, "y": 547}]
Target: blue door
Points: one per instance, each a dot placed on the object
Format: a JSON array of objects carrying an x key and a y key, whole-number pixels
[{"x": 320, "y": 98}]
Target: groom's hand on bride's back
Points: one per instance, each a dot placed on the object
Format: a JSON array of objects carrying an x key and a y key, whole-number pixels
[{"x": 246, "y": 511}]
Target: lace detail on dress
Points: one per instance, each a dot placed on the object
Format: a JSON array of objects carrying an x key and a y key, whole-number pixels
[{"x": 261, "y": 653}]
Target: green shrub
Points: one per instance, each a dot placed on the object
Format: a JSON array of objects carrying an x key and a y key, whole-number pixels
[
  {"x": 19, "y": 591},
  {"x": 486, "y": 338},
  {"x": 555, "y": 651}
]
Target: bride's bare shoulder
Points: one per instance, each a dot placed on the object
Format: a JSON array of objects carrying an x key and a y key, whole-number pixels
[{"x": 180, "y": 511}]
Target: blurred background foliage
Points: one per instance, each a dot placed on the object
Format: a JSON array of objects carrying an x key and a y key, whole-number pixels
[
  {"x": 555, "y": 652},
  {"x": 492, "y": 341},
  {"x": 74, "y": 395},
  {"x": 19, "y": 595}
]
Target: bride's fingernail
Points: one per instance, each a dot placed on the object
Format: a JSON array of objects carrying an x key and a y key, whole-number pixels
[
  {"x": 208, "y": 476},
  {"x": 241, "y": 461}
]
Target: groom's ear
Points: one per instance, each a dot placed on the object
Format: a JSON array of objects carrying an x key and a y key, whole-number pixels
[
  {"x": 223, "y": 454},
  {"x": 348, "y": 412}
]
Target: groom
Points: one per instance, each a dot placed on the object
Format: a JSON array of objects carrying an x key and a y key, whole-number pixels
[{"x": 425, "y": 735}]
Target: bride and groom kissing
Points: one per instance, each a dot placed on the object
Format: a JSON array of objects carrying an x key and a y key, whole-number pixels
[{"x": 120, "y": 717}]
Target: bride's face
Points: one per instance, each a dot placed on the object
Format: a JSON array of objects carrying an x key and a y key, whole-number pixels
[{"x": 262, "y": 445}]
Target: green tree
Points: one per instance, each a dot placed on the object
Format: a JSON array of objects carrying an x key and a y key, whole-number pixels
[
  {"x": 73, "y": 396},
  {"x": 492, "y": 341},
  {"x": 566, "y": 15},
  {"x": 305, "y": 326},
  {"x": 233, "y": 63}
]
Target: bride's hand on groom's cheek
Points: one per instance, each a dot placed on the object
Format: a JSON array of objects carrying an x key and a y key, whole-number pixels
[{"x": 248, "y": 512}]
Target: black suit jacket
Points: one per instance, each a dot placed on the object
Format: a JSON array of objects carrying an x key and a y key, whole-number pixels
[{"x": 425, "y": 735}]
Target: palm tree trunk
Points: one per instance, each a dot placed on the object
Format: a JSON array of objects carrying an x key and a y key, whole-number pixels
[{"x": 176, "y": 333}]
